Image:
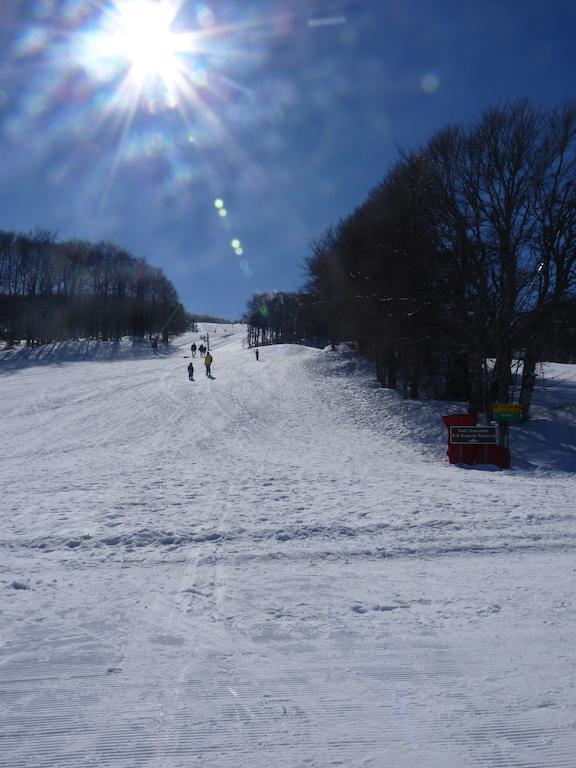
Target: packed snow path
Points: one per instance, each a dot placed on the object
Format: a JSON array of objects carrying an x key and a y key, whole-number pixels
[{"x": 273, "y": 568}]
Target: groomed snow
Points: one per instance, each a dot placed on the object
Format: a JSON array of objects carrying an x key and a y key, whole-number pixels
[{"x": 276, "y": 567}]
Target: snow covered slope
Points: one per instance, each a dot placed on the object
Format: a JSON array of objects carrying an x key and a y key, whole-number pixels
[{"x": 275, "y": 567}]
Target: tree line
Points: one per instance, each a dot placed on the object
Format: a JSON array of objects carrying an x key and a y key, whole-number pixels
[
  {"x": 460, "y": 262},
  {"x": 52, "y": 290},
  {"x": 284, "y": 318}
]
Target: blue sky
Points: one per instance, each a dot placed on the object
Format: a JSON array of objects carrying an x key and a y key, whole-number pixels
[{"x": 284, "y": 113}]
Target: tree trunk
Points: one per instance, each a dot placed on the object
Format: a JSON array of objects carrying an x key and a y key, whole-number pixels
[
  {"x": 381, "y": 373},
  {"x": 414, "y": 380},
  {"x": 502, "y": 378},
  {"x": 528, "y": 382},
  {"x": 392, "y": 370},
  {"x": 476, "y": 382}
]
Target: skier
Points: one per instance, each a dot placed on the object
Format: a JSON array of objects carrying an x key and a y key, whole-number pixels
[
  {"x": 257, "y": 354},
  {"x": 191, "y": 372},
  {"x": 208, "y": 362},
  {"x": 193, "y": 350}
]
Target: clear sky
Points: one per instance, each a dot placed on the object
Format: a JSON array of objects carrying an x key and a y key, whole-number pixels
[{"x": 145, "y": 122}]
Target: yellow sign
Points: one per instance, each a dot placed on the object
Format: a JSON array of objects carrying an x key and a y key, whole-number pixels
[
  {"x": 507, "y": 408},
  {"x": 507, "y": 412}
]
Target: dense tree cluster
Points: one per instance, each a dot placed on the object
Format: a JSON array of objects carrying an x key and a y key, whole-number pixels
[
  {"x": 53, "y": 290},
  {"x": 284, "y": 318},
  {"x": 210, "y": 319},
  {"x": 465, "y": 253}
]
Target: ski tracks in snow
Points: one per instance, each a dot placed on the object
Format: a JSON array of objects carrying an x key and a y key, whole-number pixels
[{"x": 272, "y": 568}]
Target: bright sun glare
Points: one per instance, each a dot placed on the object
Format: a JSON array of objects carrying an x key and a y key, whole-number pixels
[{"x": 143, "y": 36}]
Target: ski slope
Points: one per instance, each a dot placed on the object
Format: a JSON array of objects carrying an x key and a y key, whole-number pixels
[{"x": 275, "y": 568}]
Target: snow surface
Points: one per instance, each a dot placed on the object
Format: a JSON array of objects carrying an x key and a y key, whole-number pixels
[{"x": 276, "y": 567}]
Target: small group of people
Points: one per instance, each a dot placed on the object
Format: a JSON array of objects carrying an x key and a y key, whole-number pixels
[
  {"x": 208, "y": 360},
  {"x": 201, "y": 349}
]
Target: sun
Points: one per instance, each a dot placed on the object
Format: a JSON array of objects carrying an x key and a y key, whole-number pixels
[
  {"x": 137, "y": 40},
  {"x": 143, "y": 36}
]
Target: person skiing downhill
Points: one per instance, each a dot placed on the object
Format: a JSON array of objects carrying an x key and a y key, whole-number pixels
[
  {"x": 191, "y": 372},
  {"x": 208, "y": 363}
]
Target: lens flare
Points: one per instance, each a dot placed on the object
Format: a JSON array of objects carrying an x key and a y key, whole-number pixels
[
  {"x": 154, "y": 91},
  {"x": 145, "y": 39},
  {"x": 430, "y": 82},
  {"x": 137, "y": 38}
]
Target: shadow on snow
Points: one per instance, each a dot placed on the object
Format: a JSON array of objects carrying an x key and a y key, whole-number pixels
[{"x": 64, "y": 352}]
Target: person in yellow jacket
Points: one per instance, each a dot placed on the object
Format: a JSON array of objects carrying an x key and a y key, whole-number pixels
[{"x": 208, "y": 362}]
